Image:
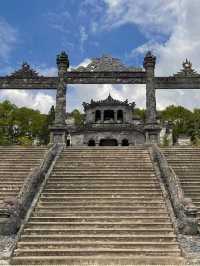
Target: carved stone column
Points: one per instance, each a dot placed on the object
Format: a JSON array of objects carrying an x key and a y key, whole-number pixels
[
  {"x": 152, "y": 129},
  {"x": 115, "y": 116},
  {"x": 102, "y": 115},
  {"x": 58, "y": 130}
]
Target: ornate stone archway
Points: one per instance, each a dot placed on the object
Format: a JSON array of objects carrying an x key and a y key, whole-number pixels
[{"x": 104, "y": 70}]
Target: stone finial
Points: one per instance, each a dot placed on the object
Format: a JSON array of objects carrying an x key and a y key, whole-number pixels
[
  {"x": 187, "y": 71},
  {"x": 62, "y": 60},
  {"x": 25, "y": 72},
  {"x": 187, "y": 65},
  {"x": 149, "y": 60}
]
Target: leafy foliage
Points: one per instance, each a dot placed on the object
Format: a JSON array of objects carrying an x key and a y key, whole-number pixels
[
  {"x": 24, "y": 125},
  {"x": 78, "y": 117}
]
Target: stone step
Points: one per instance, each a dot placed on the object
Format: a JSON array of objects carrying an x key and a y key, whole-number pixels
[
  {"x": 95, "y": 231},
  {"x": 64, "y": 187},
  {"x": 141, "y": 213},
  {"x": 104, "y": 195},
  {"x": 102, "y": 171},
  {"x": 67, "y": 209},
  {"x": 110, "y": 194},
  {"x": 159, "y": 238},
  {"x": 83, "y": 225},
  {"x": 122, "y": 176},
  {"x": 105, "y": 187},
  {"x": 69, "y": 199},
  {"x": 97, "y": 204},
  {"x": 135, "y": 219},
  {"x": 96, "y": 252},
  {"x": 103, "y": 260},
  {"x": 88, "y": 203},
  {"x": 99, "y": 182},
  {"x": 10, "y": 183},
  {"x": 103, "y": 162},
  {"x": 187, "y": 183},
  {"x": 112, "y": 190},
  {"x": 93, "y": 244},
  {"x": 11, "y": 172},
  {"x": 103, "y": 168}
]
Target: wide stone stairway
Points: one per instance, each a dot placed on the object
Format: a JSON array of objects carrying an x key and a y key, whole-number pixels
[
  {"x": 185, "y": 162},
  {"x": 100, "y": 206},
  {"x": 16, "y": 162}
]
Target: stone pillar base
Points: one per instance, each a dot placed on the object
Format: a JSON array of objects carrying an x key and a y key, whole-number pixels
[
  {"x": 152, "y": 133},
  {"x": 58, "y": 135}
]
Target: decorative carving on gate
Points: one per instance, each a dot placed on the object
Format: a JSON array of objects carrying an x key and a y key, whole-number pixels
[
  {"x": 25, "y": 72},
  {"x": 106, "y": 63},
  {"x": 109, "y": 101},
  {"x": 187, "y": 71}
]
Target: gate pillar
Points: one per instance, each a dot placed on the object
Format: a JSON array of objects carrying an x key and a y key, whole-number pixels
[
  {"x": 152, "y": 128},
  {"x": 58, "y": 130}
]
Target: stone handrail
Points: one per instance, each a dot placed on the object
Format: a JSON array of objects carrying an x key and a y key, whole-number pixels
[
  {"x": 13, "y": 210},
  {"x": 184, "y": 209}
]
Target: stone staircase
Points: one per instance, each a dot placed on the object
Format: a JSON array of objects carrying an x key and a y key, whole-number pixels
[
  {"x": 16, "y": 162},
  {"x": 185, "y": 162},
  {"x": 100, "y": 206}
]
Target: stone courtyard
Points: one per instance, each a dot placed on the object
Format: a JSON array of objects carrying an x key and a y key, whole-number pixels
[{"x": 109, "y": 194}]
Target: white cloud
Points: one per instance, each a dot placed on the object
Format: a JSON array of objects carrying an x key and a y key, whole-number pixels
[
  {"x": 84, "y": 63},
  {"x": 155, "y": 16},
  {"x": 83, "y": 37},
  {"x": 39, "y": 101},
  {"x": 8, "y": 38},
  {"x": 47, "y": 71},
  {"x": 172, "y": 31},
  {"x": 84, "y": 93}
]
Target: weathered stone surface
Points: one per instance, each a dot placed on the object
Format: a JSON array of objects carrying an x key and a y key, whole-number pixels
[
  {"x": 26, "y": 72},
  {"x": 13, "y": 210},
  {"x": 100, "y": 206},
  {"x": 63, "y": 64},
  {"x": 108, "y": 102},
  {"x": 106, "y": 63},
  {"x": 187, "y": 71},
  {"x": 184, "y": 209},
  {"x": 104, "y": 70}
]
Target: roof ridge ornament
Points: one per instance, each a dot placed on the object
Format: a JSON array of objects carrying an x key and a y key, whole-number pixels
[
  {"x": 187, "y": 70},
  {"x": 109, "y": 101},
  {"x": 106, "y": 63},
  {"x": 25, "y": 72}
]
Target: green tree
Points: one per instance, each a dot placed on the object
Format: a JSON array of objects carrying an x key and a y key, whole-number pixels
[
  {"x": 180, "y": 117},
  {"x": 78, "y": 117},
  {"x": 140, "y": 112}
]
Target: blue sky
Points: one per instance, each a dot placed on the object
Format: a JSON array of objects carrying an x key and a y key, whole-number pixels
[
  {"x": 44, "y": 28},
  {"x": 35, "y": 31}
]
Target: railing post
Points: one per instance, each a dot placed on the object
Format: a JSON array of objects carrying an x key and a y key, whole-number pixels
[
  {"x": 58, "y": 130},
  {"x": 152, "y": 129}
]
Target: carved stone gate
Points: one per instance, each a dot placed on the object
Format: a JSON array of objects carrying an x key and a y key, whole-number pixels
[{"x": 104, "y": 70}]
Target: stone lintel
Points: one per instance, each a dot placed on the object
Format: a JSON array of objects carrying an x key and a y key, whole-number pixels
[
  {"x": 105, "y": 77},
  {"x": 50, "y": 83},
  {"x": 177, "y": 83}
]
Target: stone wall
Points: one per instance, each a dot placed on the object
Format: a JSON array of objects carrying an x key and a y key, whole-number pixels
[
  {"x": 184, "y": 209},
  {"x": 134, "y": 138}
]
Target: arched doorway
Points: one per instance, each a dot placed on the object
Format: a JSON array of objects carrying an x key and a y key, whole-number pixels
[
  {"x": 125, "y": 142},
  {"x": 91, "y": 142},
  {"x": 108, "y": 142}
]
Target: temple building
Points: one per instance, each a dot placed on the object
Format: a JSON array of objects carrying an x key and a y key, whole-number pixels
[{"x": 108, "y": 122}]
